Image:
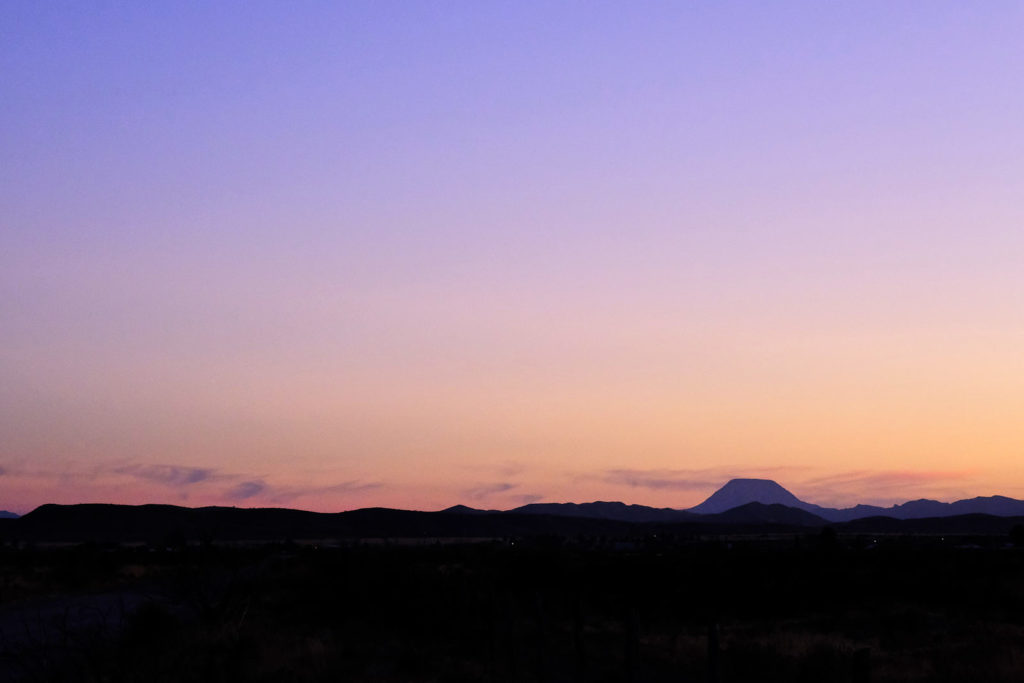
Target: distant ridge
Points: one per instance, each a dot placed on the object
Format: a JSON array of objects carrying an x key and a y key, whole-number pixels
[
  {"x": 748, "y": 504},
  {"x": 4, "y": 514},
  {"x": 989, "y": 505},
  {"x": 171, "y": 525},
  {"x": 466, "y": 510},
  {"x": 606, "y": 510},
  {"x": 741, "y": 491},
  {"x": 168, "y": 526}
]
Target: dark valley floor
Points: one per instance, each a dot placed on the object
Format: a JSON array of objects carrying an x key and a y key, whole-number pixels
[{"x": 816, "y": 606}]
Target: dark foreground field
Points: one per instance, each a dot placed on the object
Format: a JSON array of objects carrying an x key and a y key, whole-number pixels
[{"x": 811, "y": 607}]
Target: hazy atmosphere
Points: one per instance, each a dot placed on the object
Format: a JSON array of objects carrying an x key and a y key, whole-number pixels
[{"x": 330, "y": 256}]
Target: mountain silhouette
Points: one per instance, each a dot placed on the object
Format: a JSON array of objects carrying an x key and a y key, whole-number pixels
[
  {"x": 750, "y": 505},
  {"x": 4, "y": 514},
  {"x": 466, "y": 510},
  {"x": 989, "y": 505},
  {"x": 173, "y": 527},
  {"x": 739, "y": 492}
]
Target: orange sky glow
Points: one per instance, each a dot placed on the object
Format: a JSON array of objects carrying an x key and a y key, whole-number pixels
[{"x": 367, "y": 255}]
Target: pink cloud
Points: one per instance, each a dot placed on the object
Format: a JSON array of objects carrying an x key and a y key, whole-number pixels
[
  {"x": 884, "y": 487},
  {"x": 487, "y": 490}
]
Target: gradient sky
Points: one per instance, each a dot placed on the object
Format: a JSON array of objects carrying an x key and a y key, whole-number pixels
[{"x": 413, "y": 254}]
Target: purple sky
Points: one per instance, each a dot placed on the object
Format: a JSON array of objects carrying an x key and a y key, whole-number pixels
[{"x": 413, "y": 254}]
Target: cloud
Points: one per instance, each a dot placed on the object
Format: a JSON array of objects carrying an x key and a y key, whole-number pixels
[
  {"x": 281, "y": 495},
  {"x": 507, "y": 468},
  {"x": 246, "y": 489},
  {"x": 660, "y": 479},
  {"x": 838, "y": 489},
  {"x": 485, "y": 490},
  {"x": 707, "y": 479},
  {"x": 169, "y": 475},
  {"x": 278, "y": 494},
  {"x": 884, "y": 486},
  {"x": 889, "y": 478},
  {"x": 346, "y": 487},
  {"x": 511, "y": 468},
  {"x": 121, "y": 479},
  {"x": 248, "y": 486},
  {"x": 527, "y": 498}
]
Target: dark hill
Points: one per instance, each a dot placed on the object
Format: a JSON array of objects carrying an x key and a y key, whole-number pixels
[
  {"x": 760, "y": 513},
  {"x": 466, "y": 510},
  {"x": 172, "y": 525},
  {"x": 162, "y": 524}
]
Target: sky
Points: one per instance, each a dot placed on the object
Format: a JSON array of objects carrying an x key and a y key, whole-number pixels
[{"x": 413, "y": 254}]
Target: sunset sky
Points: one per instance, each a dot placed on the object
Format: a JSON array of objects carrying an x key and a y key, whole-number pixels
[{"x": 413, "y": 254}]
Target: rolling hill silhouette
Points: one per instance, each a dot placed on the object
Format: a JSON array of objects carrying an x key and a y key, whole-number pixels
[
  {"x": 741, "y": 505},
  {"x": 768, "y": 513}
]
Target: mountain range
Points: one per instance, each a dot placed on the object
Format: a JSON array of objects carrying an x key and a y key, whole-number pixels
[
  {"x": 738, "y": 492},
  {"x": 740, "y": 506}
]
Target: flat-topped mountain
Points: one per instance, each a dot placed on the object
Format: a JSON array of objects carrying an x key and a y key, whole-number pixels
[{"x": 738, "y": 492}]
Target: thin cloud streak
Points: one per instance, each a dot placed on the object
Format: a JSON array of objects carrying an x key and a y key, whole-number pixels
[
  {"x": 287, "y": 494},
  {"x": 842, "y": 489},
  {"x": 246, "y": 490},
  {"x": 163, "y": 482},
  {"x": 527, "y": 498},
  {"x": 884, "y": 487},
  {"x": 690, "y": 480},
  {"x": 169, "y": 475},
  {"x": 507, "y": 468},
  {"x": 656, "y": 479},
  {"x": 889, "y": 479},
  {"x": 485, "y": 490}
]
